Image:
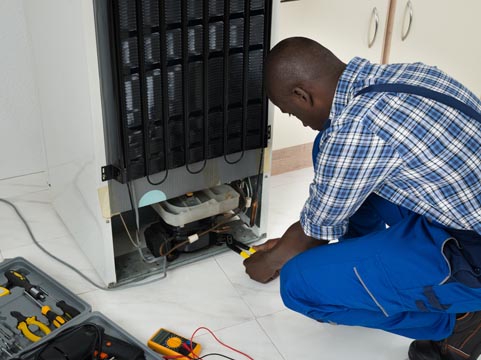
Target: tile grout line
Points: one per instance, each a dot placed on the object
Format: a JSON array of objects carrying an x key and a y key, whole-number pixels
[
  {"x": 256, "y": 318},
  {"x": 21, "y": 176},
  {"x": 233, "y": 326},
  {"x": 25, "y": 193},
  {"x": 265, "y": 332},
  {"x": 235, "y": 288}
]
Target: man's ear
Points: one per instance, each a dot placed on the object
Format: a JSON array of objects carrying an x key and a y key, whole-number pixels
[{"x": 302, "y": 96}]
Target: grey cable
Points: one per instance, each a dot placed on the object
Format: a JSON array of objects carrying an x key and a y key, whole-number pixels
[
  {"x": 135, "y": 208},
  {"x": 126, "y": 285}
]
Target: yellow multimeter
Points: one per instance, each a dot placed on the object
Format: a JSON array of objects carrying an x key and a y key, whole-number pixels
[{"x": 168, "y": 343}]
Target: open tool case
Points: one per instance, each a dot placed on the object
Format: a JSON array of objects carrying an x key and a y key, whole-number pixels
[{"x": 13, "y": 342}]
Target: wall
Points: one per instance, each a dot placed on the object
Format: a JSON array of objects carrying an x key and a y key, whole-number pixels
[
  {"x": 287, "y": 131},
  {"x": 21, "y": 146},
  {"x": 343, "y": 26}
]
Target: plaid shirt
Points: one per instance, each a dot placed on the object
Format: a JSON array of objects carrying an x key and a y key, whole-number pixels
[{"x": 410, "y": 150}]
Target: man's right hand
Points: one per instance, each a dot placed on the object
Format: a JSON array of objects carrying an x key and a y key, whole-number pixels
[{"x": 262, "y": 266}]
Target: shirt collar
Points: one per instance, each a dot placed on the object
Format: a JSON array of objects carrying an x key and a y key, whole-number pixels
[{"x": 345, "y": 86}]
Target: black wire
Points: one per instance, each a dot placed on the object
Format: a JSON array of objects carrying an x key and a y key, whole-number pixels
[
  {"x": 216, "y": 354},
  {"x": 161, "y": 181},
  {"x": 197, "y": 171},
  {"x": 234, "y": 162}
]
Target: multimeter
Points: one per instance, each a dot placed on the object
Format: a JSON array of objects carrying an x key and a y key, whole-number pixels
[{"x": 168, "y": 343}]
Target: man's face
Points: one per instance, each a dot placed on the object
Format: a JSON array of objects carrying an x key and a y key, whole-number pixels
[{"x": 312, "y": 115}]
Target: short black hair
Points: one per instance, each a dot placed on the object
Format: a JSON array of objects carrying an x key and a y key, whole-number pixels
[{"x": 298, "y": 59}]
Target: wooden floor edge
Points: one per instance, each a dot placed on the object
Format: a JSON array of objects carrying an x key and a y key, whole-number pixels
[{"x": 291, "y": 158}]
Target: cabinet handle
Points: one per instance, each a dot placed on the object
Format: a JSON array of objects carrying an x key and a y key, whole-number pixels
[
  {"x": 407, "y": 10},
  {"x": 375, "y": 18}
]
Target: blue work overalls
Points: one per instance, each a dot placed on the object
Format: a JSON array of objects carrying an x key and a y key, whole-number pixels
[{"x": 411, "y": 278}]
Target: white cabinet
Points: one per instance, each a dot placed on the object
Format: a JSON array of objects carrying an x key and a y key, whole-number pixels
[
  {"x": 348, "y": 28},
  {"x": 345, "y": 27},
  {"x": 444, "y": 33}
]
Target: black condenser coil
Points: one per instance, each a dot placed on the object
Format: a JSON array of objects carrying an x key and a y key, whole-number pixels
[{"x": 188, "y": 77}]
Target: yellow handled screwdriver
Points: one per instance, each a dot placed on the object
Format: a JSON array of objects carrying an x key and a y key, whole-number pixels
[
  {"x": 69, "y": 312},
  {"x": 16, "y": 278},
  {"x": 4, "y": 291},
  {"x": 242, "y": 249},
  {"x": 54, "y": 318}
]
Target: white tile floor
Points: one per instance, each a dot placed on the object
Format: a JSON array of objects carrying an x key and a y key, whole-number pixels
[{"x": 214, "y": 292}]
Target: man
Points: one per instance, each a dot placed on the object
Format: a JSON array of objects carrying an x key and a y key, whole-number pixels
[{"x": 397, "y": 182}]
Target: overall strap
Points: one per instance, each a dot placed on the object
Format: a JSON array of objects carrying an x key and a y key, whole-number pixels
[
  {"x": 424, "y": 92},
  {"x": 315, "y": 147},
  {"x": 414, "y": 90}
]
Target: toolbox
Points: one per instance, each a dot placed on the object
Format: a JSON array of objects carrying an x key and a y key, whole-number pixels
[{"x": 35, "y": 309}]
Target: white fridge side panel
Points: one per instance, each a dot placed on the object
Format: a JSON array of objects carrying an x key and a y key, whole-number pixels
[
  {"x": 65, "y": 58},
  {"x": 20, "y": 124}
]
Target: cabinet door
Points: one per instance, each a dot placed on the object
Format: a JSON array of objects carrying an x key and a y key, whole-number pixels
[
  {"x": 443, "y": 33},
  {"x": 345, "y": 27}
]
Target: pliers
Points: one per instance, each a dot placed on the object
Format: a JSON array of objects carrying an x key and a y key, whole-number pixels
[
  {"x": 24, "y": 324},
  {"x": 242, "y": 249}
]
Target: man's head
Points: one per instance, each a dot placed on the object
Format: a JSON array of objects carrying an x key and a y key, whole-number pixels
[{"x": 301, "y": 79}]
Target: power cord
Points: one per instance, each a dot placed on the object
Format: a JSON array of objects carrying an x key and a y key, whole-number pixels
[
  {"x": 137, "y": 244},
  {"x": 128, "y": 284}
]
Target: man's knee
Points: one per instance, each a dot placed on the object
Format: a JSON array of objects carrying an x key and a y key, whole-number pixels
[
  {"x": 287, "y": 283},
  {"x": 290, "y": 286},
  {"x": 294, "y": 292}
]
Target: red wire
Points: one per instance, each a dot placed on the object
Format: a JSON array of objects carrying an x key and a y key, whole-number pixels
[
  {"x": 188, "y": 348},
  {"x": 220, "y": 342}
]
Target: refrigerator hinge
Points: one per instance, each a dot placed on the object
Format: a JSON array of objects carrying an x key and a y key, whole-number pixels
[{"x": 112, "y": 172}]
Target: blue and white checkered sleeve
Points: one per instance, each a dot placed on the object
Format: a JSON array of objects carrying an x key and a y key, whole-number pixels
[{"x": 351, "y": 163}]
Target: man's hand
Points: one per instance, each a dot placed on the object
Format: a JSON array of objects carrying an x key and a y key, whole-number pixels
[
  {"x": 266, "y": 264},
  {"x": 261, "y": 266},
  {"x": 268, "y": 245}
]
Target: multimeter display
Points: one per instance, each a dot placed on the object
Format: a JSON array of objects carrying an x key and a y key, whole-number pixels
[{"x": 168, "y": 343}]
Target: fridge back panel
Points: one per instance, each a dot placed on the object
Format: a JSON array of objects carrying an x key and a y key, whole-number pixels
[{"x": 186, "y": 78}]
